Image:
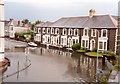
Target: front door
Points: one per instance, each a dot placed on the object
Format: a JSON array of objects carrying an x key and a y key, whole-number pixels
[{"x": 92, "y": 44}]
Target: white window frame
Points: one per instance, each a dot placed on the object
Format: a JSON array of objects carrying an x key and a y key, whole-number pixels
[
  {"x": 92, "y": 32},
  {"x": 75, "y": 32},
  {"x": 51, "y": 30},
  {"x": 85, "y": 43},
  {"x": 39, "y": 29},
  {"x": 102, "y": 32},
  {"x": 65, "y": 31},
  {"x": 102, "y": 45},
  {"x": 56, "y": 31},
  {"x": 35, "y": 30},
  {"x": 47, "y": 30},
  {"x": 43, "y": 30},
  {"x": 84, "y": 32},
  {"x": 69, "y": 31}
]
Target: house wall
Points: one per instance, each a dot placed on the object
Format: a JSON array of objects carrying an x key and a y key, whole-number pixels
[{"x": 110, "y": 39}]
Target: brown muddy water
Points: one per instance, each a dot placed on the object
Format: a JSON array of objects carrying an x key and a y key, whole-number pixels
[{"x": 50, "y": 65}]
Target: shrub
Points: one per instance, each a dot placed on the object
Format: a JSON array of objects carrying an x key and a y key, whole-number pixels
[
  {"x": 76, "y": 46},
  {"x": 83, "y": 48},
  {"x": 107, "y": 73},
  {"x": 116, "y": 67},
  {"x": 103, "y": 80},
  {"x": 109, "y": 53},
  {"x": 94, "y": 50}
]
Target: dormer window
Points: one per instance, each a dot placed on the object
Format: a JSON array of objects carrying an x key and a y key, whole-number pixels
[
  {"x": 93, "y": 32},
  {"x": 52, "y": 30},
  {"x": 70, "y": 31},
  {"x": 104, "y": 33},
  {"x": 64, "y": 32},
  {"x": 75, "y": 31},
  {"x": 43, "y": 30},
  {"x": 85, "y": 32},
  {"x": 57, "y": 31},
  {"x": 48, "y": 30}
]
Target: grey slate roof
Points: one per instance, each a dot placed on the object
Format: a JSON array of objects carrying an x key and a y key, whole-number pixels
[
  {"x": 44, "y": 24},
  {"x": 97, "y": 21}
]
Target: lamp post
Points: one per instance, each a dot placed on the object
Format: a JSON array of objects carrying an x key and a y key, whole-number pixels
[{"x": 97, "y": 57}]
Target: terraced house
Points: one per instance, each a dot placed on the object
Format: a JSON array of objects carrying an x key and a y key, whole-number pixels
[{"x": 84, "y": 29}]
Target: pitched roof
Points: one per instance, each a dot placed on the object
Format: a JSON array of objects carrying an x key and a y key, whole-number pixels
[
  {"x": 97, "y": 21},
  {"x": 44, "y": 24}
]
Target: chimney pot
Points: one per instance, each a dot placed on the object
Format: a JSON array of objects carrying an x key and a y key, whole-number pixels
[
  {"x": 92, "y": 13},
  {"x": 19, "y": 23},
  {"x": 11, "y": 19}
]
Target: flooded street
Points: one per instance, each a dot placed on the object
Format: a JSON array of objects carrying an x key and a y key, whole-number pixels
[{"x": 50, "y": 65}]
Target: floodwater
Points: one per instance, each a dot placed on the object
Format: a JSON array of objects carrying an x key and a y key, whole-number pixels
[{"x": 50, "y": 65}]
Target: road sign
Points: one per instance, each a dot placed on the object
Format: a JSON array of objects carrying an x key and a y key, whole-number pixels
[{"x": 26, "y": 51}]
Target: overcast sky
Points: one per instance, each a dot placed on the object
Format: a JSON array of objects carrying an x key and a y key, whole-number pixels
[{"x": 51, "y": 10}]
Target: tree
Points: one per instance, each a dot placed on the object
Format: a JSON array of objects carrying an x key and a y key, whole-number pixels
[
  {"x": 25, "y": 21},
  {"x": 37, "y": 22},
  {"x": 32, "y": 27}
]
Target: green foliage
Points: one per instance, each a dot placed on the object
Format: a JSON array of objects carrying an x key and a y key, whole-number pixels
[
  {"x": 116, "y": 67},
  {"x": 37, "y": 22},
  {"x": 103, "y": 80},
  {"x": 27, "y": 33},
  {"x": 107, "y": 73},
  {"x": 32, "y": 27},
  {"x": 25, "y": 21},
  {"x": 76, "y": 46},
  {"x": 109, "y": 53},
  {"x": 83, "y": 48},
  {"x": 94, "y": 50}
]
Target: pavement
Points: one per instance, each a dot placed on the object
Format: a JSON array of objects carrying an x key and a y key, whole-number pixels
[
  {"x": 114, "y": 76},
  {"x": 14, "y": 43}
]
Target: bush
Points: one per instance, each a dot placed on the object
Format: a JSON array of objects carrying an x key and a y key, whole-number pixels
[
  {"x": 94, "y": 50},
  {"x": 116, "y": 67},
  {"x": 83, "y": 48},
  {"x": 107, "y": 73},
  {"x": 103, "y": 80},
  {"x": 76, "y": 46},
  {"x": 109, "y": 53}
]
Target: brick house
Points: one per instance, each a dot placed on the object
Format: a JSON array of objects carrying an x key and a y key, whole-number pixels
[{"x": 84, "y": 29}]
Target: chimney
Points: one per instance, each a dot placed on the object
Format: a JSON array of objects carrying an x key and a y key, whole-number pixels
[
  {"x": 23, "y": 24},
  {"x": 19, "y": 23},
  {"x": 92, "y": 13},
  {"x": 11, "y": 19}
]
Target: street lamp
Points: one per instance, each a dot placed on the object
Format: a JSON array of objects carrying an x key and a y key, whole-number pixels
[{"x": 97, "y": 57}]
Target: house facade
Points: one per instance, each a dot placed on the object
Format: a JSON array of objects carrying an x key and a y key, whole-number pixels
[
  {"x": 84, "y": 30},
  {"x": 14, "y": 26}
]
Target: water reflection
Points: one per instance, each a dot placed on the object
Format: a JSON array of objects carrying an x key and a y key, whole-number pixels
[{"x": 78, "y": 66}]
